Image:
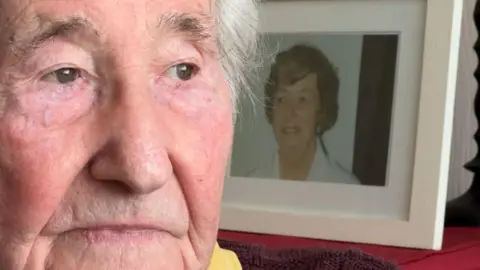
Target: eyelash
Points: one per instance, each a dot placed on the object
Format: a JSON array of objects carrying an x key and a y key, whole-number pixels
[
  {"x": 194, "y": 71},
  {"x": 176, "y": 84},
  {"x": 82, "y": 78},
  {"x": 56, "y": 90}
]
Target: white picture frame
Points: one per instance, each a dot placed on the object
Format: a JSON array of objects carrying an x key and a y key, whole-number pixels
[{"x": 408, "y": 212}]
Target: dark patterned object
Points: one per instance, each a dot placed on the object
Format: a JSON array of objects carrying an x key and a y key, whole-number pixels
[
  {"x": 465, "y": 210},
  {"x": 256, "y": 257}
]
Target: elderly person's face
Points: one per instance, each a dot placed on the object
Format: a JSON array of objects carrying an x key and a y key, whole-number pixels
[
  {"x": 296, "y": 110},
  {"x": 111, "y": 114}
]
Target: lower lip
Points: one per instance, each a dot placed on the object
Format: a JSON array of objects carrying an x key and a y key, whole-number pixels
[
  {"x": 290, "y": 131},
  {"x": 119, "y": 235}
]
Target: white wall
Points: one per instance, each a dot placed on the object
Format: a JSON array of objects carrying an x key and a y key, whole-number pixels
[
  {"x": 254, "y": 139},
  {"x": 464, "y": 147}
]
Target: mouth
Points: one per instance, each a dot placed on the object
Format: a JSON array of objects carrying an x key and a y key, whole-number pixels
[
  {"x": 119, "y": 233},
  {"x": 290, "y": 130}
]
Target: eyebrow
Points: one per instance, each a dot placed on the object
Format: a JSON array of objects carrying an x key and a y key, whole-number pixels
[
  {"x": 25, "y": 41},
  {"x": 195, "y": 28}
]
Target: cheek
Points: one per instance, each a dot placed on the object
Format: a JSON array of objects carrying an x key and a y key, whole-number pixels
[
  {"x": 33, "y": 181},
  {"x": 202, "y": 129},
  {"x": 208, "y": 141},
  {"x": 307, "y": 111},
  {"x": 199, "y": 149},
  {"x": 277, "y": 116},
  {"x": 210, "y": 161}
]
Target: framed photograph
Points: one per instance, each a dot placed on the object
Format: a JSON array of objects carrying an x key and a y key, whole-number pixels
[{"x": 347, "y": 132}]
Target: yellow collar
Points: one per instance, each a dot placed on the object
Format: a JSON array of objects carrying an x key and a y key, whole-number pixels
[{"x": 223, "y": 259}]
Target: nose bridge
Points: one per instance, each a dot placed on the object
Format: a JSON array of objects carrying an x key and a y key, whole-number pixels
[
  {"x": 138, "y": 139},
  {"x": 292, "y": 106}
]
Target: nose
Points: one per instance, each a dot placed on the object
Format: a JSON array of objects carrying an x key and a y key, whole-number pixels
[
  {"x": 135, "y": 155},
  {"x": 292, "y": 109}
]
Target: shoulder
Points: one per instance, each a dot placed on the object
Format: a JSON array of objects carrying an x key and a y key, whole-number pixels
[
  {"x": 328, "y": 169},
  {"x": 343, "y": 175},
  {"x": 262, "y": 169}
]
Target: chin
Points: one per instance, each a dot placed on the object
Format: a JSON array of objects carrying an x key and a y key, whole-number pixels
[
  {"x": 292, "y": 142},
  {"x": 121, "y": 255},
  {"x": 131, "y": 258}
]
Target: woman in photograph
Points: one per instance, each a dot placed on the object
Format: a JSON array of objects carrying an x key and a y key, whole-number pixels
[{"x": 301, "y": 105}]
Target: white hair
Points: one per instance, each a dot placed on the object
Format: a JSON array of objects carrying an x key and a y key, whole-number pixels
[{"x": 238, "y": 35}]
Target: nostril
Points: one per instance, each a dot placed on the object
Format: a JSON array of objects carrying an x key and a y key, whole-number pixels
[{"x": 118, "y": 187}]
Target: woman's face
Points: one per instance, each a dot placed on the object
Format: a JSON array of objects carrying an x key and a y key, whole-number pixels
[{"x": 295, "y": 113}]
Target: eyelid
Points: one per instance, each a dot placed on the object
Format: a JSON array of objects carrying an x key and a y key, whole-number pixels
[
  {"x": 85, "y": 75},
  {"x": 189, "y": 61},
  {"x": 58, "y": 52},
  {"x": 51, "y": 69}
]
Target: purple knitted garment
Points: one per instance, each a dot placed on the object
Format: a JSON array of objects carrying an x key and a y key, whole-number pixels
[{"x": 255, "y": 257}]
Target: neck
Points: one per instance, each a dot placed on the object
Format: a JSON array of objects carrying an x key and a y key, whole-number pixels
[{"x": 295, "y": 163}]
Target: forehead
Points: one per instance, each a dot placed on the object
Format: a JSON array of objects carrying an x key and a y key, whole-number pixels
[
  {"x": 132, "y": 5},
  {"x": 107, "y": 21},
  {"x": 289, "y": 72},
  {"x": 305, "y": 83},
  {"x": 104, "y": 13}
]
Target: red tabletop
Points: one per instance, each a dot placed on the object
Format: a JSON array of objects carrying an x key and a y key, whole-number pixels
[{"x": 461, "y": 249}]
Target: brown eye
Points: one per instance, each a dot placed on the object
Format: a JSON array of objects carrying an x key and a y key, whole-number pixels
[
  {"x": 183, "y": 72},
  {"x": 63, "y": 75}
]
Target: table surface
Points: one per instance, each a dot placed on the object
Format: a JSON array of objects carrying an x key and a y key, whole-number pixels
[{"x": 460, "y": 251}]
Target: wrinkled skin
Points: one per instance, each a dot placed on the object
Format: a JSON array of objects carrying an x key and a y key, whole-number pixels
[{"x": 114, "y": 136}]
